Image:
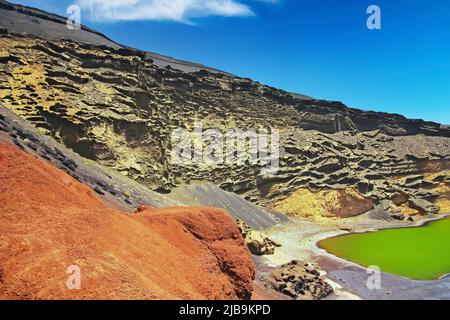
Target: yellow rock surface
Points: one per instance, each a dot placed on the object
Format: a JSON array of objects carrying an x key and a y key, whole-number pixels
[
  {"x": 444, "y": 203},
  {"x": 324, "y": 203},
  {"x": 407, "y": 210}
]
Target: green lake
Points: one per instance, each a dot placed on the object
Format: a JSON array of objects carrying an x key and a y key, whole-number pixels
[{"x": 421, "y": 253}]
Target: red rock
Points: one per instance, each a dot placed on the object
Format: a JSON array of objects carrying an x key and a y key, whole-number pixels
[{"x": 49, "y": 221}]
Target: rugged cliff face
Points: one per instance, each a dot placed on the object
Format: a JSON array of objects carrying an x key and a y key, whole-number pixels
[{"x": 119, "y": 106}]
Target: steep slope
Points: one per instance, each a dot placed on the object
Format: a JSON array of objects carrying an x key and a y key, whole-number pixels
[
  {"x": 212, "y": 196},
  {"x": 120, "y": 191},
  {"x": 119, "y": 107},
  {"x": 49, "y": 221}
]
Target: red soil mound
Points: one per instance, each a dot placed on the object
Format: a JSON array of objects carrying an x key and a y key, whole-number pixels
[{"x": 49, "y": 221}]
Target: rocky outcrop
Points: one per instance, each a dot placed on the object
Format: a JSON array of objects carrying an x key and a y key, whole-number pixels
[
  {"x": 424, "y": 206},
  {"x": 300, "y": 281},
  {"x": 256, "y": 242}
]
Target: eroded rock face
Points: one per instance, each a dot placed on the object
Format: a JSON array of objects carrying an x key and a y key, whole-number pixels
[
  {"x": 300, "y": 281},
  {"x": 116, "y": 106},
  {"x": 114, "y": 188}
]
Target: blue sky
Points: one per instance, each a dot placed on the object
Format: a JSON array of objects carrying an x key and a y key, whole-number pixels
[{"x": 320, "y": 48}]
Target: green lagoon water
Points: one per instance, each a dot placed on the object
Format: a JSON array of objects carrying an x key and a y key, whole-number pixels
[{"x": 421, "y": 253}]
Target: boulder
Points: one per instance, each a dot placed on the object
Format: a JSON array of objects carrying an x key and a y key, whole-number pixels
[
  {"x": 255, "y": 241},
  {"x": 399, "y": 198},
  {"x": 300, "y": 281},
  {"x": 424, "y": 206},
  {"x": 392, "y": 210}
]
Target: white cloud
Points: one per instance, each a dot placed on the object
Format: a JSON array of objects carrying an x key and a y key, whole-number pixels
[{"x": 173, "y": 10}]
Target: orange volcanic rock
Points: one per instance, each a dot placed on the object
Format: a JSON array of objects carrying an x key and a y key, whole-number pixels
[{"x": 49, "y": 222}]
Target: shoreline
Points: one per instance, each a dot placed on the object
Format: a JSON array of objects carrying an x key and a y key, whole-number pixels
[
  {"x": 300, "y": 240},
  {"x": 319, "y": 250},
  {"x": 421, "y": 223}
]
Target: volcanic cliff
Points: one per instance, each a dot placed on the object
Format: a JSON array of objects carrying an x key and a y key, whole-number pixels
[{"x": 119, "y": 106}]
